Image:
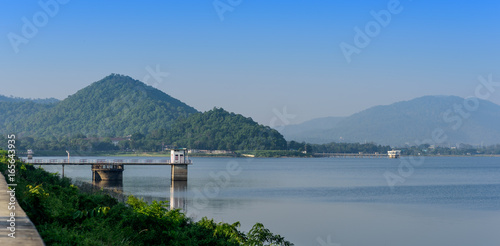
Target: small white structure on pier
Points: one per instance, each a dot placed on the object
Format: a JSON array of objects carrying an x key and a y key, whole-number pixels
[
  {"x": 178, "y": 156},
  {"x": 179, "y": 164},
  {"x": 394, "y": 153},
  {"x": 30, "y": 154}
]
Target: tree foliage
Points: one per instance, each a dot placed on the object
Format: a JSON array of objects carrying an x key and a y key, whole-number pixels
[
  {"x": 349, "y": 148},
  {"x": 218, "y": 129}
]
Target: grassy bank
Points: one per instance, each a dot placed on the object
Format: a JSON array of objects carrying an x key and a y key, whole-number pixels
[{"x": 64, "y": 215}]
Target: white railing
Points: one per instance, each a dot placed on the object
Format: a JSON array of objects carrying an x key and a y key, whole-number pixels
[{"x": 104, "y": 161}]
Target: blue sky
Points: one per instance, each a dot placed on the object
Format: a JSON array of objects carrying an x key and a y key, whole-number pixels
[{"x": 262, "y": 57}]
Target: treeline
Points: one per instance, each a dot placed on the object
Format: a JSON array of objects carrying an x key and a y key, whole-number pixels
[
  {"x": 159, "y": 140},
  {"x": 35, "y": 100},
  {"x": 462, "y": 149},
  {"x": 77, "y": 142},
  {"x": 216, "y": 129},
  {"x": 14, "y": 112},
  {"x": 63, "y": 215},
  {"x": 350, "y": 148}
]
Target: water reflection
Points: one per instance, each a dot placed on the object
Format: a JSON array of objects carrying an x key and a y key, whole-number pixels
[
  {"x": 177, "y": 199},
  {"x": 112, "y": 185},
  {"x": 178, "y": 195}
]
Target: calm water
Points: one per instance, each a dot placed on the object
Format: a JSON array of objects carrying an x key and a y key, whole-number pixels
[{"x": 335, "y": 201}]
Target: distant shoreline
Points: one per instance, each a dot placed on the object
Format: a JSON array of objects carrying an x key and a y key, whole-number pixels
[{"x": 235, "y": 155}]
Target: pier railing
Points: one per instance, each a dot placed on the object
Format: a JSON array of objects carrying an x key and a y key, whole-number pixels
[
  {"x": 76, "y": 161},
  {"x": 107, "y": 167}
]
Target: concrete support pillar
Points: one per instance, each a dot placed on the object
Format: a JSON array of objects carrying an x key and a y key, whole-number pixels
[
  {"x": 179, "y": 172},
  {"x": 107, "y": 173}
]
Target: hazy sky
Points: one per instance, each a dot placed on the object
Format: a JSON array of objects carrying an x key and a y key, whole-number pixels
[{"x": 254, "y": 57}]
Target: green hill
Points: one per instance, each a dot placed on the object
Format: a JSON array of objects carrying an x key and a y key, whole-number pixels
[
  {"x": 117, "y": 105},
  {"x": 219, "y": 129}
]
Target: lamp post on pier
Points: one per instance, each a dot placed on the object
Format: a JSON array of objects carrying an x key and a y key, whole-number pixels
[{"x": 63, "y": 164}]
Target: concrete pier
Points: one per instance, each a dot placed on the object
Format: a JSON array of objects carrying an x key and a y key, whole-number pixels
[
  {"x": 111, "y": 170},
  {"x": 25, "y": 232},
  {"x": 179, "y": 172},
  {"x": 107, "y": 172}
]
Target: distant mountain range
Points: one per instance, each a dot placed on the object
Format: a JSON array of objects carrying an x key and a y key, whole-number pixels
[
  {"x": 408, "y": 122},
  {"x": 118, "y": 105}
]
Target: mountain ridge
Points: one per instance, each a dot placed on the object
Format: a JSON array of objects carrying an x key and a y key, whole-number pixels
[
  {"x": 408, "y": 122},
  {"x": 119, "y": 105},
  {"x": 35, "y": 100}
]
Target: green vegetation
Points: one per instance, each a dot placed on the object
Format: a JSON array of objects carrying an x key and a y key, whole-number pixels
[
  {"x": 118, "y": 106},
  {"x": 349, "y": 148},
  {"x": 114, "y": 106},
  {"x": 218, "y": 129},
  {"x": 14, "y": 112},
  {"x": 463, "y": 149},
  {"x": 36, "y": 100},
  {"x": 64, "y": 215}
]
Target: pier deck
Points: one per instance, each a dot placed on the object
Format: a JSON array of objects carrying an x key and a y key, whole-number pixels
[
  {"x": 25, "y": 232},
  {"x": 78, "y": 161}
]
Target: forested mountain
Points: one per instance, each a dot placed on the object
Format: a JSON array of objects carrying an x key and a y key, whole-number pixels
[
  {"x": 36, "y": 100},
  {"x": 413, "y": 121},
  {"x": 117, "y": 105},
  {"x": 219, "y": 129}
]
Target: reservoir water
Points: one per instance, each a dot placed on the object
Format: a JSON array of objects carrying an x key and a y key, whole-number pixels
[{"x": 334, "y": 201}]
